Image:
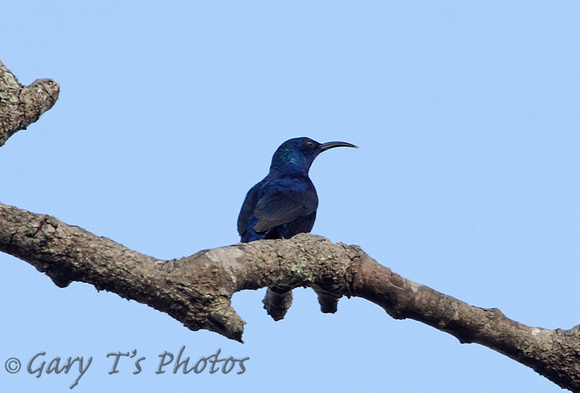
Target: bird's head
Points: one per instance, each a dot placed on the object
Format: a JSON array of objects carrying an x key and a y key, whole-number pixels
[{"x": 298, "y": 154}]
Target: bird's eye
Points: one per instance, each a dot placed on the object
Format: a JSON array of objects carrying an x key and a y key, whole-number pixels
[{"x": 310, "y": 144}]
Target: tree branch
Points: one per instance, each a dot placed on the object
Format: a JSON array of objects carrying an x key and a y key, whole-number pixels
[
  {"x": 197, "y": 290},
  {"x": 22, "y": 105}
]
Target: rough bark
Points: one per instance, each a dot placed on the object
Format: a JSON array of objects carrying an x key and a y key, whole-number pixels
[
  {"x": 196, "y": 290},
  {"x": 22, "y": 105}
]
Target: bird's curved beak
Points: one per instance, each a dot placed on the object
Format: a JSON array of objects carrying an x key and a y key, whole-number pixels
[{"x": 330, "y": 145}]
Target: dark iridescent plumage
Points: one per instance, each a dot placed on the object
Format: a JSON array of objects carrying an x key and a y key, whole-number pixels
[{"x": 285, "y": 202}]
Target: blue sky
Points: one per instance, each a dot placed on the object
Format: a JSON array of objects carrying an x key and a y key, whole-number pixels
[{"x": 466, "y": 180}]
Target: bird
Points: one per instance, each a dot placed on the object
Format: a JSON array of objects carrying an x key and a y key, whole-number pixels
[{"x": 284, "y": 203}]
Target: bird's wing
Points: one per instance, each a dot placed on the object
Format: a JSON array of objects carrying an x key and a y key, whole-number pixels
[
  {"x": 247, "y": 209},
  {"x": 282, "y": 207}
]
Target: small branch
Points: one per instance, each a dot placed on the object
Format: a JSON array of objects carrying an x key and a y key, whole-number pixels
[
  {"x": 22, "y": 105},
  {"x": 277, "y": 302},
  {"x": 196, "y": 290}
]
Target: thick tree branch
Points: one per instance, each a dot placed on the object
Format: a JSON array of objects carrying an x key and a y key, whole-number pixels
[
  {"x": 22, "y": 105},
  {"x": 196, "y": 290}
]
